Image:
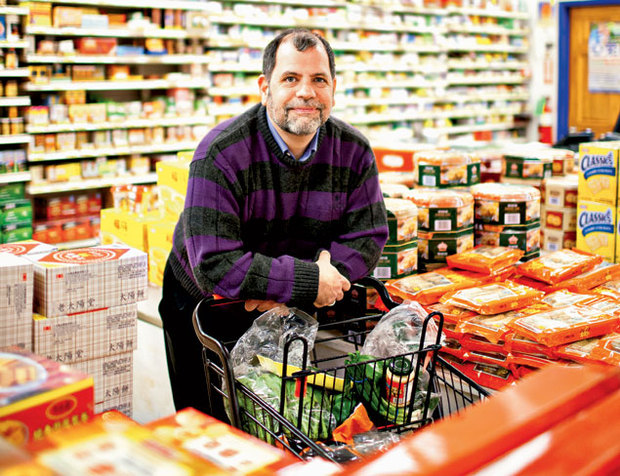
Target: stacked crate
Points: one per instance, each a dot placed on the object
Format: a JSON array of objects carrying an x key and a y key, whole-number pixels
[{"x": 559, "y": 212}]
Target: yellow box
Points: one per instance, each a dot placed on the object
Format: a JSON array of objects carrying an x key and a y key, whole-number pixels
[
  {"x": 172, "y": 178},
  {"x": 596, "y": 229},
  {"x": 160, "y": 243},
  {"x": 598, "y": 172},
  {"x": 124, "y": 227}
]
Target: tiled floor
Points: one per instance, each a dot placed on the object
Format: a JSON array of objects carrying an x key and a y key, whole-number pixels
[{"x": 152, "y": 396}]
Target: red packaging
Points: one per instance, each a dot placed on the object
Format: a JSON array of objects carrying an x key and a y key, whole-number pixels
[
  {"x": 600, "y": 274},
  {"x": 40, "y": 396},
  {"x": 493, "y": 298},
  {"x": 485, "y": 259}
]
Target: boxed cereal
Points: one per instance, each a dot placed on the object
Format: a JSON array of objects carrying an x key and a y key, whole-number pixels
[
  {"x": 596, "y": 229},
  {"x": 86, "y": 279},
  {"x": 86, "y": 335},
  {"x": 16, "y": 297},
  {"x": 40, "y": 396},
  {"x": 598, "y": 172}
]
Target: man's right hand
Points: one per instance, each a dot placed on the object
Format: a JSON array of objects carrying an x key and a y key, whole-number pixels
[{"x": 332, "y": 284}]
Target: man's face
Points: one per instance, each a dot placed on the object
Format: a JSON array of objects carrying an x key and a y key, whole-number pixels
[{"x": 300, "y": 95}]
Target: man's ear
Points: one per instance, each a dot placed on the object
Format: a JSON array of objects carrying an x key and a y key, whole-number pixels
[{"x": 263, "y": 86}]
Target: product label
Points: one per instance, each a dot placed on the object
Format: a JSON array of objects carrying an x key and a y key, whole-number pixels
[
  {"x": 443, "y": 219},
  {"x": 598, "y": 172},
  {"x": 596, "y": 225}
]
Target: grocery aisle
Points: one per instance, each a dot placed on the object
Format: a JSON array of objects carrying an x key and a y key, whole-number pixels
[{"x": 152, "y": 397}]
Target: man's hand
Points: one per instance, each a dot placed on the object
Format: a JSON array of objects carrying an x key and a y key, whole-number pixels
[
  {"x": 261, "y": 305},
  {"x": 332, "y": 284}
]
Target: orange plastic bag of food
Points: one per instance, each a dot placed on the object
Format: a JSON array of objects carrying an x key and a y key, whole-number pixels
[
  {"x": 517, "y": 343},
  {"x": 610, "y": 289},
  {"x": 564, "y": 325},
  {"x": 607, "y": 349},
  {"x": 451, "y": 314},
  {"x": 495, "y": 327},
  {"x": 357, "y": 422},
  {"x": 485, "y": 259},
  {"x": 564, "y": 297},
  {"x": 487, "y": 375},
  {"x": 427, "y": 288},
  {"x": 600, "y": 274},
  {"x": 579, "y": 351},
  {"x": 559, "y": 265},
  {"x": 493, "y": 298}
]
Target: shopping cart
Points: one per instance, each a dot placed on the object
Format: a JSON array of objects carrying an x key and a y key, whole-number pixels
[{"x": 336, "y": 378}]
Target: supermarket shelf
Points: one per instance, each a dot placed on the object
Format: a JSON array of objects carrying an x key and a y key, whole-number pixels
[
  {"x": 112, "y": 151},
  {"x": 13, "y": 44},
  {"x": 15, "y": 101},
  {"x": 118, "y": 85},
  {"x": 153, "y": 32},
  {"x": 414, "y": 83},
  {"x": 235, "y": 91},
  {"x": 90, "y": 184},
  {"x": 15, "y": 139},
  {"x": 14, "y": 73},
  {"x": 476, "y": 128},
  {"x": 15, "y": 177},
  {"x": 10, "y": 10},
  {"x": 488, "y": 30},
  {"x": 96, "y": 59},
  {"x": 486, "y": 12},
  {"x": 423, "y": 115},
  {"x": 185, "y": 5},
  {"x": 396, "y": 68},
  {"x": 126, "y": 124},
  {"x": 255, "y": 66},
  {"x": 484, "y": 79},
  {"x": 489, "y": 48},
  {"x": 72, "y": 245},
  {"x": 457, "y": 64}
]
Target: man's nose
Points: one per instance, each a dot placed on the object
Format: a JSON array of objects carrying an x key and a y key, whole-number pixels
[{"x": 305, "y": 89}]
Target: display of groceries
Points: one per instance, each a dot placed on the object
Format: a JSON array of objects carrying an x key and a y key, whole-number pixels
[{"x": 504, "y": 319}]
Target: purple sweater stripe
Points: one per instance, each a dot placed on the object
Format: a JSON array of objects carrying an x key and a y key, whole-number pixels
[
  {"x": 324, "y": 206},
  {"x": 230, "y": 285},
  {"x": 211, "y": 193},
  {"x": 368, "y": 192},
  {"x": 197, "y": 243},
  {"x": 282, "y": 267}
]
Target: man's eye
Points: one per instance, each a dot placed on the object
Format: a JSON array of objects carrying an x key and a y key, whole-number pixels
[
  {"x": 320, "y": 80},
  {"x": 289, "y": 79}
]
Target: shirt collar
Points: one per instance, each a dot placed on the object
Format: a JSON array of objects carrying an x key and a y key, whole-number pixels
[{"x": 311, "y": 149}]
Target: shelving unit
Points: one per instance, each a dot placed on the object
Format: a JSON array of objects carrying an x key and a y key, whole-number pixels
[{"x": 408, "y": 74}]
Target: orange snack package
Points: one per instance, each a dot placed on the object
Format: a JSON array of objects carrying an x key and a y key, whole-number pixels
[
  {"x": 493, "y": 298},
  {"x": 492, "y": 376},
  {"x": 495, "y": 327},
  {"x": 485, "y": 259},
  {"x": 532, "y": 283},
  {"x": 451, "y": 314},
  {"x": 600, "y": 274},
  {"x": 579, "y": 351},
  {"x": 515, "y": 343},
  {"x": 607, "y": 349},
  {"x": 427, "y": 288},
  {"x": 563, "y": 298},
  {"x": 564, "y": 325},
  {"x": 602, "y": 304},
  {"x": 559, "y": 265},
  {"x": 610, "y": 289}
]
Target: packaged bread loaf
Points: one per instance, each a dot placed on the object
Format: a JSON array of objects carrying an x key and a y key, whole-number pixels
[
  {"x": 504, "y": 204},
  {"x": 485, "y": 259},
  {"x": 446, "y": 168},
  {"x": 442, "y": 210}
]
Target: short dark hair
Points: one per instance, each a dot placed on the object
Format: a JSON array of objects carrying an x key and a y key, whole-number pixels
[{"x": 302, "y": 39}]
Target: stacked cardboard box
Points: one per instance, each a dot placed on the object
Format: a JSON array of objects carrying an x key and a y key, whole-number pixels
[
  {"x": 85, "y": 300},
  {"x": 559, "y": 212},
  {"x": 597, "y": 207},
  {"x": 16, "y": 291}
]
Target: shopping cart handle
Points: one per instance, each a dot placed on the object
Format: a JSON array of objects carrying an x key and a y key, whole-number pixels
[
  {"x": 372, "y": 282},
  {"x": 205, "y": 339}
]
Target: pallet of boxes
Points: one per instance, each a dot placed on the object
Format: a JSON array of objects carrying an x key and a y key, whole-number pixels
[
  {"x": 85, "y": 315},
  {"x": 38, "y": 395}
]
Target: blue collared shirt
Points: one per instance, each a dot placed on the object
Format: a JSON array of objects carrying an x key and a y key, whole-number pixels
[{"x": 311, "y": 149}]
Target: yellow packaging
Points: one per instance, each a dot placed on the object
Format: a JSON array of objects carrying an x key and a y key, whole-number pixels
[
  {"x": 124, "y": 227},
  {"x": 598, "y": 172},
  {"x": 172, "y": 178},
  {"x": 596, "y": 229},
  {"x": 160, "y": 243}
]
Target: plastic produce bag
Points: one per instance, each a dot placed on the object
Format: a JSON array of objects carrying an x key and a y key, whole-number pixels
[
  {"x": 399, "y": 332},
  {"x": 268, "y": 335}
]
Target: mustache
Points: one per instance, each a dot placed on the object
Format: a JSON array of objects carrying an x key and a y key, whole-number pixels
[{"x": 314, "y": 104}]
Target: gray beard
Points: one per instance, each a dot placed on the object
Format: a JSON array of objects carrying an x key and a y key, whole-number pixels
[{"x": 301, "y": 127}]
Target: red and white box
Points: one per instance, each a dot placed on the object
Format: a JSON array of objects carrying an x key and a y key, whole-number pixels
[
  {"x": 87, "y": 335},
  {"x": 16, "y": 297},
  {"x": 113, "y": 377},
  {"x": 85, "y": 279},
  {"x": 27, "y": 248}
]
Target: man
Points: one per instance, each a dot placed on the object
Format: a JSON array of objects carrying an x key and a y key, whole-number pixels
[{"x": 283, "y": 206}]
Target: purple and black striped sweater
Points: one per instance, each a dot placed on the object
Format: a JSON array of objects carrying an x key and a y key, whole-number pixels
[{"x": 255, "y": 220}]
